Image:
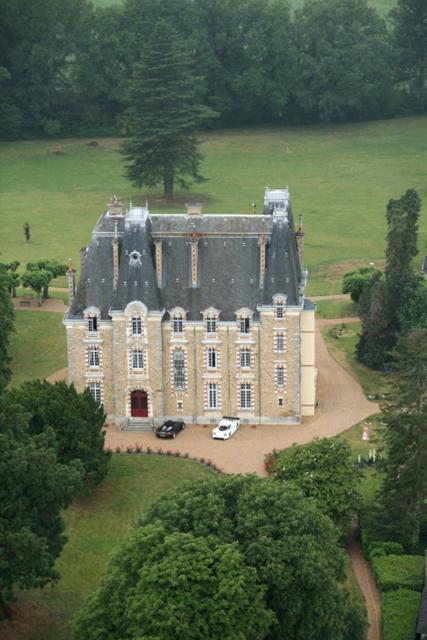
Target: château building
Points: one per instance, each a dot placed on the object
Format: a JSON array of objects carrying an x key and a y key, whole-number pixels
[{"x": 194, "y": 316}]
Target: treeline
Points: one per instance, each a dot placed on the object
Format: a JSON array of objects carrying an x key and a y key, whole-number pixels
[{"x": 65, "y": 66}]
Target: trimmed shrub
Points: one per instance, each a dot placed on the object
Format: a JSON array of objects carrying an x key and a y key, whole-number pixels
[
  {"x": 380, "y": 549},
  {"x": 399, "y": 614},
  {"x": 393, "y": 572}
]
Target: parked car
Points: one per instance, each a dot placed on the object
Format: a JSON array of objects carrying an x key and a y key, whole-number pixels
[
  {"x": 170, "y": 429},
  {"x": 227, "y": 427}
]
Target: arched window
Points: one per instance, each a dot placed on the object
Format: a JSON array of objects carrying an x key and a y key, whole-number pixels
[{"x": 178, "y": 369}]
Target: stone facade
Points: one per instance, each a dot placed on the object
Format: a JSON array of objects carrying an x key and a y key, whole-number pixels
[{"x": 147, "y": 358}]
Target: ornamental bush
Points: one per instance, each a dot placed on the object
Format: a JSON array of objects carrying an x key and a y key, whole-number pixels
[
  {"x": 399, "y": 611},
  {"x": 395, "y": 571}
]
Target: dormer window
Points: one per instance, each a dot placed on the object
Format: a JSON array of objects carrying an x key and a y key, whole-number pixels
[
  {"x": 92, "y": 324},
  {"x": 177, "y": 324},
  {"x": 279, "y": 302},
  {"x": 211, "y": 325},
  {"x": 245, "y": 324},
  {"x": 136, "y": 326}
]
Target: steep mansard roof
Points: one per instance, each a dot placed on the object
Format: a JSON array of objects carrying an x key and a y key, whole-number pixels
[{"x": 228, "y": 263}]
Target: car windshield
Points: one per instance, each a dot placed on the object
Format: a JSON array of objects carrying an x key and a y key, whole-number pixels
[{"x": 224, "y": 427}]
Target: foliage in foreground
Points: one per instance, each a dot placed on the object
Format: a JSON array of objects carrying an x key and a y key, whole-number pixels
[
  {"x": 34, "y": 488},
  {"x": 75, "y": 419},
  {"x": 399, "y": 610},
  {"x": 7, "y": 317},
  {"x": 268, "y": 530},
  {"x": 323, "y": 470}
]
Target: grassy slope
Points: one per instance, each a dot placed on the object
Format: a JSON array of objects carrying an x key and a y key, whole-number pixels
[
  {"x": 342, "y": 349},
  {"x": 96, "y": 525},
  {"x": 335, "y": 308},
  {"x": 340, "y": 178},
  {"x": 38, "y": 345}
]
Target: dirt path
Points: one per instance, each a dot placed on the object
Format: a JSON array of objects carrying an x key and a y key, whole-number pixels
[
  {"x": 366, "y": 581},
  {"x": 333, "y": 296}
]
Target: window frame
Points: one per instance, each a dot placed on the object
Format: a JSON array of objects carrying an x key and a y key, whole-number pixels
[
  {"x": 245, "y": 357},
  {"x": 280, "y": 343},
  {"x": 280, "y": 376},
  {"x": 245, "y": 326},
  {"x": 95, "y": 391},
  {"x": 94, "y": 357},
  {"x": 178, "y": 371},
  {"x": 92, "y": 323},
  {"x": 245, "y": 392},
  {"x": 138, "y": 359},
  {"x": 136, "y": 323},
  {"x": 212, "y": 358},
  {"x": 212, "y": 395},
  {"x": 177, "y": 324},
  {"x": 211, "y": 325}
]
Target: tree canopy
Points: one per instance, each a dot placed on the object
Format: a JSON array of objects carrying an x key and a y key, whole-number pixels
[
  {"x": 7, "y": 317},
  {"x": 357, "y": 281},
  {"x": 75, "y": 419},
  {"x": 163, "y": 115},
  {"x": 34, "y": 488},
  {"x": 323, "y": 470},
  {"x": 268, "y": 531}
]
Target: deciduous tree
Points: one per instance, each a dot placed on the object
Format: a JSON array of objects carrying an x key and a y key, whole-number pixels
[
  {"x": 356, "y": 282},
  {"x": 7, "y": 317}
]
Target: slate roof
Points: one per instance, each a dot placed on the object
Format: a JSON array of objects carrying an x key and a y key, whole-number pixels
[{"x": 228, "y": 263}]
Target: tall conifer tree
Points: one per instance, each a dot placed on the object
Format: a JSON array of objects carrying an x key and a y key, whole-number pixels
[{"x": 163, "y": 115}]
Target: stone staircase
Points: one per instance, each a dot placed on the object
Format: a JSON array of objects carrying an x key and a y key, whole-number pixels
[{"x": 137, "y": 425}]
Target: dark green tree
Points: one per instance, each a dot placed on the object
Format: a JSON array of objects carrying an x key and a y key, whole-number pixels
[
  {"x": 163, "y": 115},
  {"x": 384, "y": 317},
  {"x": 323, "y": 470},
  {"x": 171, "y": 586},
  {"x": 343, "y": 61},
  {"x": 409, "y": 20},
  {"x": 34, "y": 488},
  {"x": 405, "y": 433},
  {"x": 284, "y": 537},
  {"x": 356, "y": 282},
  {"x": 7, "y": 317},
  {"x": 37, "y": 280},
  {"x": 76, "y": 420}
]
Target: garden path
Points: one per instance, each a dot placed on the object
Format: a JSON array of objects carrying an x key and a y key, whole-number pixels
[{"x": 365, "y": 578}]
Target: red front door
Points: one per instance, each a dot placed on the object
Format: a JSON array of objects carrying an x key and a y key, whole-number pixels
[{"x": 139, "y": 404}]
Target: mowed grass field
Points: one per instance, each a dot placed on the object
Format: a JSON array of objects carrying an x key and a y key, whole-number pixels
[
  {"x": 95, "y": 526},
  {"x": 340, "y": 179}
]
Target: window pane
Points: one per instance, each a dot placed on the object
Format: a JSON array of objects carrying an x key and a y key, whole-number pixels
[
  {"x": 178, "y": 369},
  {"x": 177, "y": 324},
  {"x": 211, "y": 325},
  {"x": 136, "y": 326},
  {"x": 212, "y": 358},
  {"x": 212, "y": 395}
]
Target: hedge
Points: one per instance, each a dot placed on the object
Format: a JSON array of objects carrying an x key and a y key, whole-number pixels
[
  {"x": 395, "y": 571},
  {"x": 399, "y": 611}
]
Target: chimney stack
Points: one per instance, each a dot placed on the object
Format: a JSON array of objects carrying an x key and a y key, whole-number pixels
[
  {"x": 193, "y": 208},
  {"x": 71, "y": 278},
  {"x": 300, "y": 241},
  {"x": 262, "y": 243},
  {"x": 159, "y": 261},
  {"x": 194, "y": 258},
  {"x": 115, "y": 245}
]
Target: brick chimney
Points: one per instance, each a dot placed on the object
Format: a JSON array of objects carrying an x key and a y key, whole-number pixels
[
  {"x": 158, "y": 246},
  {"x": 71, "y": 278},
  {"x": 262, "y": 243},
  {"x": 115, "y": 245},
  {"x": 193, "y": 208},
  {"x": 300, "y": 241}
]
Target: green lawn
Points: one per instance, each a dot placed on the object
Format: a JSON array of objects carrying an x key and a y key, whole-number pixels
[
  {"x": 95, "y": 526},
  {"x": 342, "y": 349},
  {"x": 340, "y": 178},
  {"x": 38, "y": 345},
  {"x": 335, "y": 308}
]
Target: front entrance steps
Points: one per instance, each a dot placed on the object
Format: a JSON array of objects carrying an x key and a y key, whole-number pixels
[{"x": 135, "y": 424}]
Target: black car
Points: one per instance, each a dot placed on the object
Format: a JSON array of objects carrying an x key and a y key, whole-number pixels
[{"x": 170, "y": 429}]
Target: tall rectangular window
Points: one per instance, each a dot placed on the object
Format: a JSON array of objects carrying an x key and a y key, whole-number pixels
[
  {"x": 280, "y": 376},
  {"x": 280, "y": 342},
  {"x": 178, "y": 325},
  {"x": 279, "y": 310},
  {"x": 137, "y": 359},
  {"x": 245, "y": 395},
  {"x": 212, "y": 360},
  {"x": 244, "y": 325},
  {"x": 92, "y": 324},
  {"x": 95, "y": 390},
  {"x": 178, "y": 369},
  {"x": 245, "y": 358},
  {"x": 211, "y": 325},
  {"x": 212, "y": 395},
  {"x": 93, "y": 357},
  {"x": 136, "y": 326}
]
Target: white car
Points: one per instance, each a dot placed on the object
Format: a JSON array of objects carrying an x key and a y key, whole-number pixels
[{"x": 226, "y": 428}]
